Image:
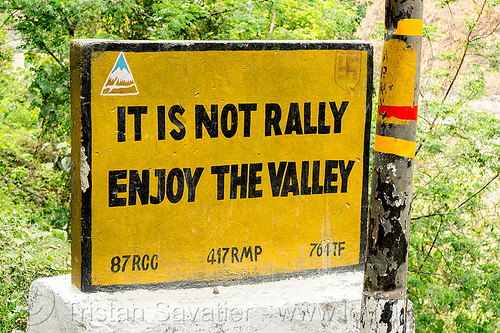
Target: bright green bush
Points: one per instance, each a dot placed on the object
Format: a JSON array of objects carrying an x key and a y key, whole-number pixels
[{"x": 34, "y": 200}]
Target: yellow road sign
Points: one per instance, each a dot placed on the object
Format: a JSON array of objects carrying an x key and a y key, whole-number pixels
[{"x": 217, "y": 161}]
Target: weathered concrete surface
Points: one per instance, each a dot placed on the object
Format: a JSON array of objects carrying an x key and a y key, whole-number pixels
[
  {"x": 387, "y": 315},
  {"x": 326, "y": 303}
]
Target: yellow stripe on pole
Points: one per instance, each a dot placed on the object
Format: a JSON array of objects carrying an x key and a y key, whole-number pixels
[
  {"x": 400, "y": 147},
  {"x": 399, "y": 70},
  {"x": 409, "y": 27}
]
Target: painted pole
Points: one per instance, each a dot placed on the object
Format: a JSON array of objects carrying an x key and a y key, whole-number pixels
[{"x": 384, "y": 304}]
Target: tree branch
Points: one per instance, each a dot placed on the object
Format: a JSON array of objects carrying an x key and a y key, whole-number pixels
[
  {"x": 8, "y": 18},
  {"x": 433, "y": 243},
  {"x": 480, "y": 190},
  {"x": 273, "y": 22},
  {"x": 468, "y": 40},
  {"x": 51, "y": 53},
  {"x": 434, "y": 261},
  {"x": 459, "y": 206},
  {"x": 431, "y": 127},
  {"x": 427, "y": 273},
  {"x": 490, "y": 33}
]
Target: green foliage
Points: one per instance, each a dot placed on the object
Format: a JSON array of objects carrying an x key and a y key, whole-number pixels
[
  {"x": 5, "y": 66},
  {"x": 26, "y": 253},
  {"x": 125, "y": 19},
  {"x": 34, "y": 205},
  {"x": 492, "y": 54},
  {"x": 472, "y": 84},
  {"x": 31, "y": 178},
  {"x": 444, "y": 3},
  {"x": 211, "y": 20},
  {"x": 236, "y": 19},
  {"x": 48, "y": 59},
  {"x": 454, "y": 258},
  {"x": 455, "y": 234},
  {"x": 5, "y": 51},
  {"x": 34, "y": 215},
  {"x": 34, "y": 198},
  {"x": 47, "y": 26},
  {"x": 430, "y": 32},
  {"x": 470, "y": 45},
  {"x": 49, "y": 93},
  {"x": 379, "y": 31}
]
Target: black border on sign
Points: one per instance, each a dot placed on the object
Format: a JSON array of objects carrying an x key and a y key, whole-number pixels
[
  {"x": 90, "y": 46},
  {"x": 86, "y": 268}
]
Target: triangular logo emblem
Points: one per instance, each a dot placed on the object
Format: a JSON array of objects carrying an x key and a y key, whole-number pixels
[{"x": 120, "y": 81}]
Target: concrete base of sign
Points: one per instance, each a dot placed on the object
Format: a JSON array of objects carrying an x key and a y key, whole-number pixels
[{"x": 314, "y": 304}]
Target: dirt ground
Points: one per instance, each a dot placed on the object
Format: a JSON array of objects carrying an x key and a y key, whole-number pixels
[{"x": 448, "y": 20}]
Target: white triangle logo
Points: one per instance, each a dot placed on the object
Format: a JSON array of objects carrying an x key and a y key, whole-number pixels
[{"x": 120, "y": 81}]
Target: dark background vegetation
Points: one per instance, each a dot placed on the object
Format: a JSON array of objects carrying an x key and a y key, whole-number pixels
[{"x": 454, "y": 274}]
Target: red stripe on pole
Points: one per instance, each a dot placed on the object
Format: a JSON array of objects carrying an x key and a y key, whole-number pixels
[{"x": 400, "y": 112}]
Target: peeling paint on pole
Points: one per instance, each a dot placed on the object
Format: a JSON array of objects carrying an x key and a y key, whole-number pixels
[{"x": 385, "y": 307}]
